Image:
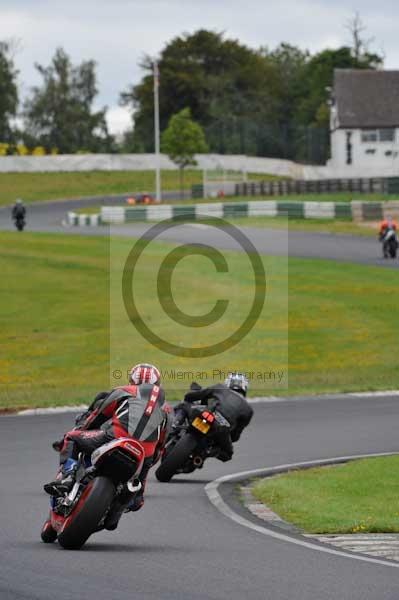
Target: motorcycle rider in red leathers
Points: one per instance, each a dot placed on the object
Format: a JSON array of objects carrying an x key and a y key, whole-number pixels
[{"x": 137, "y": 410}]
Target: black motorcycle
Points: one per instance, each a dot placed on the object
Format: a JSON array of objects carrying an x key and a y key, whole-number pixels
[
  {"x": 19, "y": 222},
  {"x": 389, "y": 243},
  {"x": 192, "y": 442}
]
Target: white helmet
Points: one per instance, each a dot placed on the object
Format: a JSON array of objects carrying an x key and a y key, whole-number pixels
[
  {"x": 238, "y": 382},
  {"x": 144, "y": 373}
]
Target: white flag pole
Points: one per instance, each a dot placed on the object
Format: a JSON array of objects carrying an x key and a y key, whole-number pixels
[{"x": 156, "y": 130}]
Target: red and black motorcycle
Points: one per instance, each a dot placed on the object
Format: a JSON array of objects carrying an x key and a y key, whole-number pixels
[
  {"x": 192, "y": 442},
  {"x": 100, "y": 480}
]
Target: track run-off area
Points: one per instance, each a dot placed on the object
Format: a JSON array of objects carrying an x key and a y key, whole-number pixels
[{"x": 180, "y": 546}]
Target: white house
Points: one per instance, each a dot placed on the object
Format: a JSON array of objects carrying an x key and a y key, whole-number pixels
[{"x": 364, "y": 122}]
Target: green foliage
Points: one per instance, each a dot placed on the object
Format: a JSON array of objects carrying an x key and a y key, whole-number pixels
[
  {"x": 183, "y": 138},
  {"x": 221, "y": 81},
  {"x": 8, "y": 92},
  {"x": 59, "y": 114}
]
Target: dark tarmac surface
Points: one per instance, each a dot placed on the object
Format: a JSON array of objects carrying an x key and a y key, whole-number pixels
[
  {"x": 179, "y": 546},
  {"x": 48, "y": 217}
]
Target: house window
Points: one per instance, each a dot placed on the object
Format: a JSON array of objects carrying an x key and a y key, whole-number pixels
[
  {"x": 378, "y": 135},
  {"x": 369, "y": 135},
  {"x": 387, "y": 135}
]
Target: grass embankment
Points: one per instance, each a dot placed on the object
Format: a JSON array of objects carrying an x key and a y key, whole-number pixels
[
  {"x": 357, "y": 497},
  {"x": 54, "y": 320},
  {"x": 34, "y": 187}
]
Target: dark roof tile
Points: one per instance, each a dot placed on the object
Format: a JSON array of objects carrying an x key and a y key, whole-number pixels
[{"x": 366, "y": 98}]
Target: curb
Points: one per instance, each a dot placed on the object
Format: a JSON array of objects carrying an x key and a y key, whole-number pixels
[
  {"x": 275, "y": 527},
  {"x": 225, "y": 210},
  {"x": 82, "y": 220}
]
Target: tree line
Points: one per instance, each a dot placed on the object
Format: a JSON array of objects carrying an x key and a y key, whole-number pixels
[{"x": 258, "y": 102}]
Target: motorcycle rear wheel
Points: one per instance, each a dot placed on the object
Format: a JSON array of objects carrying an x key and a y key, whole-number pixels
[
  {"x": 176, "y": 458},
  {"x": 86, "y": 520}
]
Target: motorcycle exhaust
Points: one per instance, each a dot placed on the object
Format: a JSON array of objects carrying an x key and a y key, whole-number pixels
[{"x": 198, "y": 461}]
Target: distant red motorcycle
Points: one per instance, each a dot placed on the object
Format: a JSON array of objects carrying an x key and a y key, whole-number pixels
[{"x": 100, "y": 480}]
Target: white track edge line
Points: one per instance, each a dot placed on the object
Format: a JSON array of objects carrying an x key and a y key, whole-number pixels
[
  {"x": 54, "y": 410},
  {"x": 255, "y": 400},
  {"x": 211, "y": 490}
]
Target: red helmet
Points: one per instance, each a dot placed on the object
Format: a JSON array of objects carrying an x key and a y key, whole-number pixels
[{"x": 144, "y": 373}]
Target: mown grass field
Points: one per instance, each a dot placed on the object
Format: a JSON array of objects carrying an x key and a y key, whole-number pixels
[
  {"x": 357, "y": 497},
  {"x": 366, "y": 228},
  {"x": 56, "y": 346},
  {"x": 34, "y": 187}
]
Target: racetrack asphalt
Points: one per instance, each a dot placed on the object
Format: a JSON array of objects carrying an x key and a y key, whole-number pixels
[
  {"x": 179, "y": 546},
  {"x": 48, "y": 217}
]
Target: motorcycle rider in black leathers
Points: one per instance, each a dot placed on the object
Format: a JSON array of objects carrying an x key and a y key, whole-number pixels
[
  {"x": 228, "y": 398},
  {"x": 18, "y": 210}
]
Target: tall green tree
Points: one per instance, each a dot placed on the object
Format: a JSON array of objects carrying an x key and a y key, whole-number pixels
[
  {"x": 59, "y": 114},
  {"x": 223, "y": 82},
  {"x": 8, "y": 93},
  {"x": 182, "y": 139}
]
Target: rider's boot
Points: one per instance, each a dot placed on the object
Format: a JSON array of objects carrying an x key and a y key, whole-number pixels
[{"x": 64, "y": 481}]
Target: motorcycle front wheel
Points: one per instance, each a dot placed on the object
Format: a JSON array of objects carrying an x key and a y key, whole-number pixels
[
  {"x": 176, "y": 458},
  {"x": 87, "y": 514}
]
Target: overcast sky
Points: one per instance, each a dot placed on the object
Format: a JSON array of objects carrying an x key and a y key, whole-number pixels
[{"x": 116, "y": 33}]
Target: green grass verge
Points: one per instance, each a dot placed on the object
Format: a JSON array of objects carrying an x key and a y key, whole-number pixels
[
  {"x": 357, "y": 497},
  {"x": 34, "y": 187},
  {"x": 54, "y": 319},
  {"x": 367, "y": 229},
  {"x": 88, "y": 210}
]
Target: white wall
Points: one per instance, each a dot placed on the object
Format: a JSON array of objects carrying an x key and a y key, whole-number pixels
[
  {"x": 377, "y": 163},
  {"x": 335, "y": 168},
  {"x": 136, "y": 162}
]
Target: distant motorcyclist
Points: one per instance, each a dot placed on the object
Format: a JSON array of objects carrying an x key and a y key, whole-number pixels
[
  {"x": 18, "y": 214},
  {"x": 387, "y": 226},
  {"x": 137, "y": 410},
  {"x": 228, "y": 398}
]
